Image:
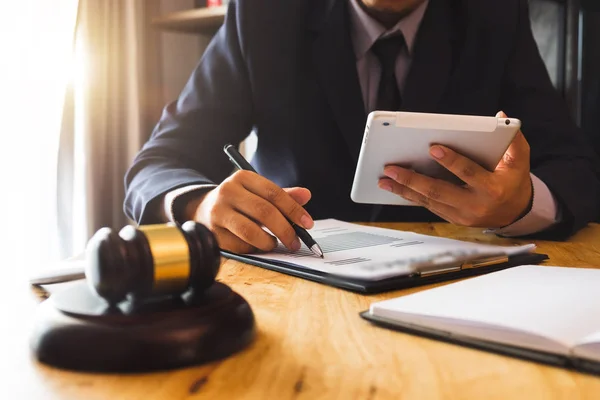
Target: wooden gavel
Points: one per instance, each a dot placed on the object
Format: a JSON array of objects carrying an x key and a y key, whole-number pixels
[{"x": 151, "y": 261}]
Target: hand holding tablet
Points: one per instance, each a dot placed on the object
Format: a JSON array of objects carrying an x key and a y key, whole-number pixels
[{"x": 469, "y": 170}]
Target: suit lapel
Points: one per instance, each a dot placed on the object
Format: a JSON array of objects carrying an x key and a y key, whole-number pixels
[
  {"x": 432, "y": 59},
  {"x": 335, "y": 63}
]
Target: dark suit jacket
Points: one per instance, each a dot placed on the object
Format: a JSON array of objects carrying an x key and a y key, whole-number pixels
[{"x": 287, "y": 69}]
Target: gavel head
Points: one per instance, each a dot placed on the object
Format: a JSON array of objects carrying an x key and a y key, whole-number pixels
[{"x": 151, "y": 261}]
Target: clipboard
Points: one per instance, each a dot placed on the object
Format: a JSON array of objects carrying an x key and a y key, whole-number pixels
[{"x": 424, "y": 277}]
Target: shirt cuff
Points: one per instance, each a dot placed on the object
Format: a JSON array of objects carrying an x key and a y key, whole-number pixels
[
  {"x": 543, "y": 214},
  {"x": 170, "y": 197}
]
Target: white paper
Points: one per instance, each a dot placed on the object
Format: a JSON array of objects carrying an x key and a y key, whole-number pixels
[{"x": 372, "y": 253}]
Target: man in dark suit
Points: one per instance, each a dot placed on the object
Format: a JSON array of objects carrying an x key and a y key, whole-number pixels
[{"x": 304, "y": 74}]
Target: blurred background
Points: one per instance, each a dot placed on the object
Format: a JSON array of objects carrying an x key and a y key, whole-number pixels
[{"x": 82, "y": 83}]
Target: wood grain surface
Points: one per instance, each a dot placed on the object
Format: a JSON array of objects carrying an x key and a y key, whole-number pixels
[{"x": 311, "y": 344}]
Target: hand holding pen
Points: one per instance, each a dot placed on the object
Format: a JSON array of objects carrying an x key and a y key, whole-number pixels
[
  {"x": 238, "y": 209},
  {"x": 240, "y": 162}
]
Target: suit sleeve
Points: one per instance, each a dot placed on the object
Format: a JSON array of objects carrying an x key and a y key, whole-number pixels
[
  {"x": 186, "y": 146},
  {"x": 560, "y": 154}
]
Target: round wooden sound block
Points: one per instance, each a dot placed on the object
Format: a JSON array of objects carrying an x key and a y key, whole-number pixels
[{"x": 76, "y": 330}]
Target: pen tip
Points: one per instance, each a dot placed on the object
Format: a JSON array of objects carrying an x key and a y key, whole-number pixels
[{"x": 317, "y": 250}]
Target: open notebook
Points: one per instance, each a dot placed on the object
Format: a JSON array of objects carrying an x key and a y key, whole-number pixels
[
  {"x": 547, "y": 314},
  {"x": 372, "y": 259}
]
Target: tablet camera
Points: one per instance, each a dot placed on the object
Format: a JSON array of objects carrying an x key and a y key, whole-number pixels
[
  {"x": 507, "y": 122},
  {"x": 386, "y": 124}
]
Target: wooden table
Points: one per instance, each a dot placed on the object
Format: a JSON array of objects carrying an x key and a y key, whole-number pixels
[{"x": 311, "y": 344}]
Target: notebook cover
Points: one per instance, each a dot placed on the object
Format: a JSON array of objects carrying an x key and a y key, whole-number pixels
[
  {"x": 575, "y": 364},
  {"x": 384, "y": 285}
]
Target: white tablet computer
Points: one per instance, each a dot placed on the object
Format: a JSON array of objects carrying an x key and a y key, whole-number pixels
[{"x": 404, "y": 139}]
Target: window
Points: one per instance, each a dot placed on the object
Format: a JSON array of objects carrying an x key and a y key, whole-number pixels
[{"x": 36, "y": 38}]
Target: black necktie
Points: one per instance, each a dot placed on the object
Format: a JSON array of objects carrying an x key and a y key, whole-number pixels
[
  {"x": 388, "y": 95},
  {"x": 386, "y": 50}
]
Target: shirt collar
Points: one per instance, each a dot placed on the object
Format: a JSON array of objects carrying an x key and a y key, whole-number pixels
[{"x": 366, "y": 30}]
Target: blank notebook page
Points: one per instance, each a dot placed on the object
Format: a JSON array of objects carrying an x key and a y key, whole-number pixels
[{"x": 554, "y": 302}]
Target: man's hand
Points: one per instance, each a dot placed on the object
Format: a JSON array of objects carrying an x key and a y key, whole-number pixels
[
  {"x": 238, "y": 208},
  {"x": 489, "y": 199}
]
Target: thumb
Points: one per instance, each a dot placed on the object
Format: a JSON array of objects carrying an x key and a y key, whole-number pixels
[
  {"x": 517, "y": 153},
  {"x": 299, "y": 194}
]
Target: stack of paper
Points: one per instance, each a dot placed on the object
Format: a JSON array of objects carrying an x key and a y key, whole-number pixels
[{"x": 372, "y": 253}]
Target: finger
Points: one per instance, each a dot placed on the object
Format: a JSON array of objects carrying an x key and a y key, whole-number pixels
[
  {"x": 299, "y": 194},
  {"x": 469, "y": 171},
  {"x": 260, "y": 210},
  {"x": 431, "y": 188},
  {"x": 228, "y": 241},
  {"x": 275, "y": 195},
  {"x": 517, "y": 154},
  {"x": 249, "y": 232},
  {"x": 442, "y": 210}
]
